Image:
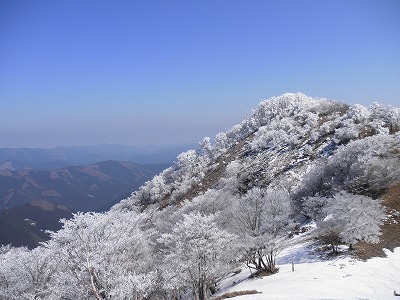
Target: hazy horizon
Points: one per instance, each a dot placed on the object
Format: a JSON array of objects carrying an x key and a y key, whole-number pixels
[
  {"x": 171, "y": 72},
  {"x": 146, "y": 147}
]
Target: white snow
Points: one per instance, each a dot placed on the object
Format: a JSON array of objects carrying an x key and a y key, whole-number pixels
[{"x": 315, "y": 278}]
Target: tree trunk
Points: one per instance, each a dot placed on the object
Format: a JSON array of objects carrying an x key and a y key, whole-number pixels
[
  {"x": 201, "y": 293},
  {"x": 271, "y": 267},
  {"x": 213, "y": 288},
  {"x": 94, "y": 285}
]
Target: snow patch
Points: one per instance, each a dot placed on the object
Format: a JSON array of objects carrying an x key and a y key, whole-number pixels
[{"x": 314, "y": 278}]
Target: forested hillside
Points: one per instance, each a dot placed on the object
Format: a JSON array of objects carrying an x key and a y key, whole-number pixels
[{"x": 235, "y": 203}]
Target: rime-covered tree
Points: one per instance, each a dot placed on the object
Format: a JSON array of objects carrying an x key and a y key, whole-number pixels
[
  {"x": 200, "y": 251},
  {"x": 27, "y": 274},
  {"x": 105, "y": 255},
  {"x": 351, "y": 219},
  {"x": 366, "y": 166},
  {"x": 314, "y": 207},
  {"x": 262, "y": 217},
  {"x": 207, "y": 149},
  {"x": 212, "y": 202}
]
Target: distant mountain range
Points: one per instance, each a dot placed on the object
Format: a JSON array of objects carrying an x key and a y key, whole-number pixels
[
  {"x": 61, "y": 157},
  {"x": 32, "y": 201}
]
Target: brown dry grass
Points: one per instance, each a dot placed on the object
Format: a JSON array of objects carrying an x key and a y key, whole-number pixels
[
  {"x": 390, "y": 237},
  {"x": 236, "y": 294}
]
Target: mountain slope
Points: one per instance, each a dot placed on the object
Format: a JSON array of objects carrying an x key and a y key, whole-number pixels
[
  {"x": 81, "y": 188},
  {"x": 34, "y": 201},
  {"x": 298, "y": 166},
  {"x": 310, "y": 147},
  {"x": 26, "y": 225},
  {"x": 278, "y": 125}
]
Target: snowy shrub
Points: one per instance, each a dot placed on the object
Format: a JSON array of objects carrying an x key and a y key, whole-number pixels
[{"x": 267, "y": 138}]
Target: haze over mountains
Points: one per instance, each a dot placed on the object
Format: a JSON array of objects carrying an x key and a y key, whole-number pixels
[
  {"x": 60, "y": 157},
  {"x": 40, "y": 186},
  {"x": 81, "y": 188}
]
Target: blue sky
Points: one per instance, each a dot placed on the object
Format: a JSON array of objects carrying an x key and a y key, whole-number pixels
[{"x": 171, "y": 72}]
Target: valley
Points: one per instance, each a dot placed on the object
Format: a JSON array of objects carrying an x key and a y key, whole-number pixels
[{"x": 45, "y": 196}]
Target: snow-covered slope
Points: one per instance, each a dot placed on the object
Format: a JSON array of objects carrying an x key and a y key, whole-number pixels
[{"x": 340, "y": 277}]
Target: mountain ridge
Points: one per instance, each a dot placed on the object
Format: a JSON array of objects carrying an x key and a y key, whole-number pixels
[
  {"x": 334, "y": 123},
  {"x": 61, "y": 156}
]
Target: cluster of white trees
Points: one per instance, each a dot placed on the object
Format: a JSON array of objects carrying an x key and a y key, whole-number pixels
[
  {"x": 159, "y": 254},
  {"x": 364, "y": 166},
  {"x": 170, "y": 252},
  {"x": 311, "y": 156}
]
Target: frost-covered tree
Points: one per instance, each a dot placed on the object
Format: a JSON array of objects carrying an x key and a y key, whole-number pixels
[
  {"x": 230, "y": 180},
  {"x": 350, "y": 219},
  {"x": 199, "y": 251},
  {"x": 353, "y": 124},
  {"x": 360, "y": 122},
  {"x": 269, "y": 138},
  {"x": 212, "y": 202},
  {"x": 27, "y": 274},
  {"x": 377, "y": 166},
  {"x": 393, "y": 119},
  {"x": 262, "y": 218},
  {"x": 221, "y": 143},
  {"x": 188, "y": 162},
  {"x": 313, "y": 207},
  {"x": 207, "y": 149},
  {"x": 103, "y": 255}
]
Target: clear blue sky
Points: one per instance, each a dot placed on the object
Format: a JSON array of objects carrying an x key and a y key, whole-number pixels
[{"x": 171, "y": 72}]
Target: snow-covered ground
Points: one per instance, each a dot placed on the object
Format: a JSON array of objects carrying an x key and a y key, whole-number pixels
[{"x": 315, "y": 278}]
